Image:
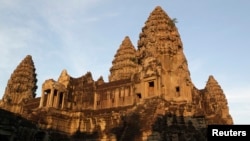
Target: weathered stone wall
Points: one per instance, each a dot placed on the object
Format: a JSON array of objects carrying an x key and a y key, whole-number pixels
[
  {"x": 21, "y": 86},
  {"x": 114, "y": 94},
  {"x": 152, "y": 119}
]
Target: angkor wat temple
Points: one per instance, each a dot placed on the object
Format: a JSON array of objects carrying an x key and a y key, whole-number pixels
[{"x": 149, "y": 96}]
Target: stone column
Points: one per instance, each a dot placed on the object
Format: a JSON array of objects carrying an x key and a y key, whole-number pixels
[
  {"x": 146, "y": 85},
  {"x": 123, "y": 96},
  {"x": 158, "y": 86},
  {"x": 116, "y": 96},
  {"x": 95, "y": 100},
  {"x": 51, "y": 99},
  {"x": 56, "y": 100},
  {"x": 47, "y": 102},
  {"x": 41, "y": 100},
  {"x": 132, "y": 95},
  {"x": 48, "y": 99}
]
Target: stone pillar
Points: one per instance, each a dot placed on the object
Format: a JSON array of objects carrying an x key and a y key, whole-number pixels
[
  {"x": 116, "y": 97},
  {"x": 58, "y": 99},
  {"x": 108, "y": 103},
  {"x": 42, "y": 100},
  {"x": 51, "y": 99},
  {"x": 145, "y": 89},
  {"x": 47, "y": 102},
  {"x": 158, "y": 88},
  {"x": 95, "y": 100},
  {"x": 48, "y": 98},
  {"x": 55, "y": 100},
  {"x": 132, "y": 94}
]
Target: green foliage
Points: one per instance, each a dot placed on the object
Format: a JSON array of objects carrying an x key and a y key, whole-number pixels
[{"x": 173, "y": 22}]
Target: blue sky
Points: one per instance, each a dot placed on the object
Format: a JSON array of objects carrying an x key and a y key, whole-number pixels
[{"x": 83, "y": 35}]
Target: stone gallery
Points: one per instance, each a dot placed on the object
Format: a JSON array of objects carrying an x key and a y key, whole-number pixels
[{"x": 149, "y": 96}]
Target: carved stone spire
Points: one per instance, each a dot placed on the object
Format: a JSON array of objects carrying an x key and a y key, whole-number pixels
[
  {"x": 22, "y": 83},
  {"x": 123, "y": 65},
  {"x": 216, "y": 103},
  {"x": 160, "y": 40},
  {"x": 213, "y": 85},
  {"x": 159, "y": 35}
]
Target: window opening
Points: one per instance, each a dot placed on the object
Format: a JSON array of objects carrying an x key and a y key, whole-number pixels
[
  {"x": 151, "y": 88},
  {"x": 177, "y": 89},
  {"x": 151, "y": 84},
  {"x": 139, "y": 95}
]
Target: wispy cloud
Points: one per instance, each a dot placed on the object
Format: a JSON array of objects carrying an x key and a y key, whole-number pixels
[
  {"x": 52, "y": 32},
  {"x": 238, "y": 101},
  {"x": 238, "y": 94}
]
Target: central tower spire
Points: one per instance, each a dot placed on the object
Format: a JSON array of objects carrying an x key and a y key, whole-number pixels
[
  {"x": 159, "y": 35},
  {"x": 160, "y": 41}
]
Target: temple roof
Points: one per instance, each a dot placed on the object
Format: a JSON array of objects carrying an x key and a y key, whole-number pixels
[
  {"x": 159, "y": 33},
  {"x": 22, "y": 81},
  {"x": 213, "y": 85},
  {"x": 123, "y": 65}
]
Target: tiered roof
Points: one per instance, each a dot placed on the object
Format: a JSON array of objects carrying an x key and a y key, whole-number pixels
[
  {"x": 159, "y": 34},
  {"x": 124, "y": 64},
  {"x": 22, "y": 82}
]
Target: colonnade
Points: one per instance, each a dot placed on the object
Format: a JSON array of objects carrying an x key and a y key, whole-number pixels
[{"x": 53, "y": 95}]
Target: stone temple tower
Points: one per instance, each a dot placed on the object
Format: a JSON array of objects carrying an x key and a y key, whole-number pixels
[
  {"x": 149, "y": 96},
  {"x": 21, "y": 86},
  {"x": 215, "y": 103},
  {"x": 160, "y": 55},
  {"x": 123, "y": 65}
]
